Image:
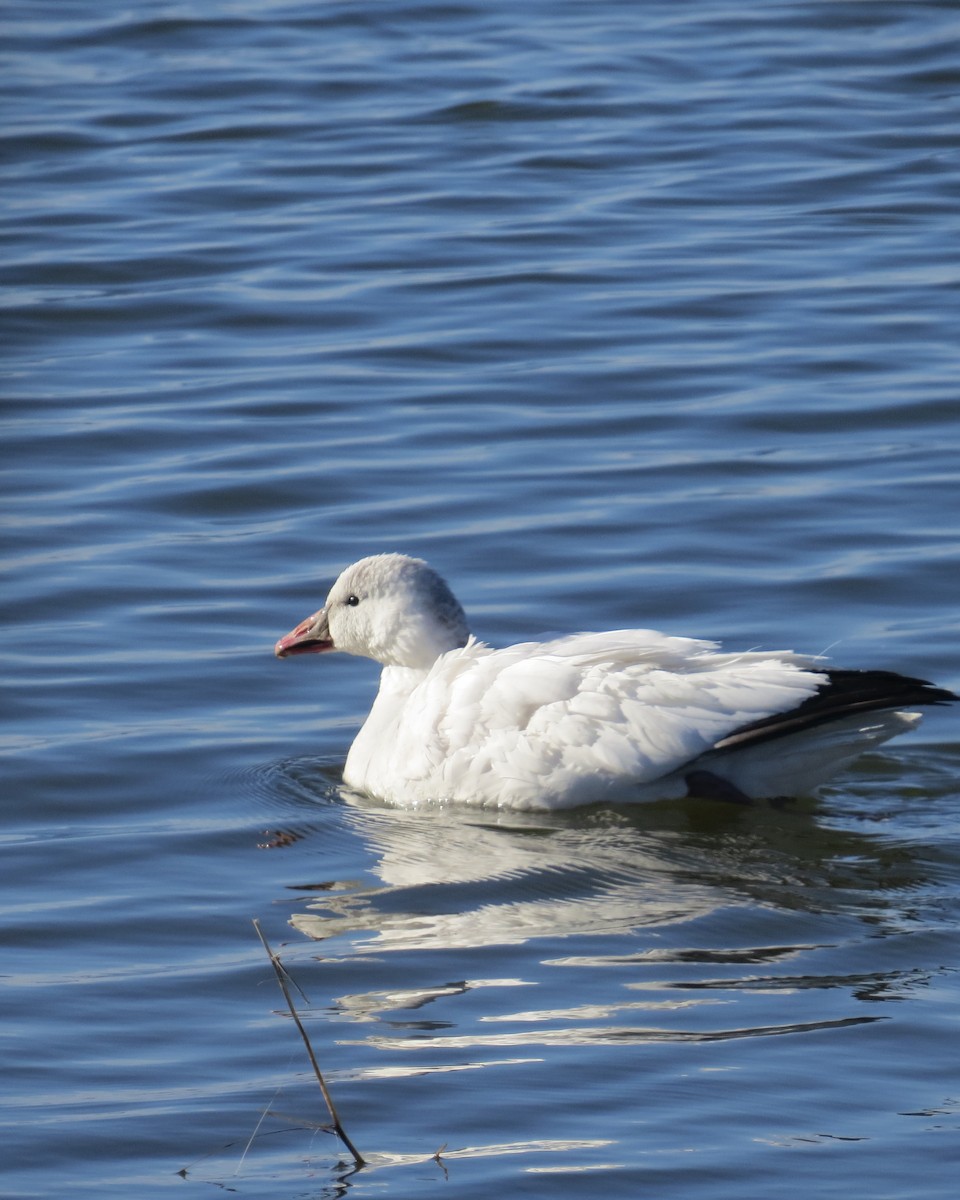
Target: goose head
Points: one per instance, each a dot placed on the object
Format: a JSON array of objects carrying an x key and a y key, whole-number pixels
[{"x": 391, "y": 608}]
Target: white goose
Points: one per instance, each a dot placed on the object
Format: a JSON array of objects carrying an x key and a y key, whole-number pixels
[{"x": 624, "y": 716}]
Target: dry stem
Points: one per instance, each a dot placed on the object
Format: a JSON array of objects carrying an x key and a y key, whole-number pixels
[{"x": 282, "y": 978}]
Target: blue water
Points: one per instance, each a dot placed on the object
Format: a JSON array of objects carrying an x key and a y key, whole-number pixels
[{"x": 620, "y": 314}]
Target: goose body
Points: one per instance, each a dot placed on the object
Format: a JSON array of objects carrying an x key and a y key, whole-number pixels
[{"x": 623, "y": 716}]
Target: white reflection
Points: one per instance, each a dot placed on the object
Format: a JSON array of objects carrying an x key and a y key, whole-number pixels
[{"x": 450, "y": 879}]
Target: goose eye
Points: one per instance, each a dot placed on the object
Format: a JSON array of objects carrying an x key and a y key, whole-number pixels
[{"x": 353, "y": 601}]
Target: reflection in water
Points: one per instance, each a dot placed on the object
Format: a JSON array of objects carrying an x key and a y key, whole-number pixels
[
  {"x": 657, "y": 920},
  {"x": 608, "y": 1035},
  {"x": 450, "y": 877},
  {"x": 692, "y": 950}
]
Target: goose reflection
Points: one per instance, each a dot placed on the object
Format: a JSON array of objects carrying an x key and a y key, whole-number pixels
[{"x": 447, "y": 878}]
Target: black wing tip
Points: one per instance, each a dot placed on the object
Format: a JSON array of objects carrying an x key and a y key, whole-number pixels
[
  {"x": 844, "y": 693},
  {"x": 882, "y": 689}
]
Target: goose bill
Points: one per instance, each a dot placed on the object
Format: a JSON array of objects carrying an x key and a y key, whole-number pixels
[{"x": 311, "y": 636}]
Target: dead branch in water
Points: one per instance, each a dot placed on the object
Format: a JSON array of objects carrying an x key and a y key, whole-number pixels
[{"x": 282, "y": 978}]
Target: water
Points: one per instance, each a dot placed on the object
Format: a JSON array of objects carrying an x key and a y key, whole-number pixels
[{"x": 618, "y": 313}]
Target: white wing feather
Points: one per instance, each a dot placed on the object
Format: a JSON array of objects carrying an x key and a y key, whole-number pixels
[{"x": 583, "y": 717}]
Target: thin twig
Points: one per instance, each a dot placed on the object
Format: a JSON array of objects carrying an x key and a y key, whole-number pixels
[{"x": 282, "y": 980}]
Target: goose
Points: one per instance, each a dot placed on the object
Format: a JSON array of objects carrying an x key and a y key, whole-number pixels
[{"x": 618, "y": 717}]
